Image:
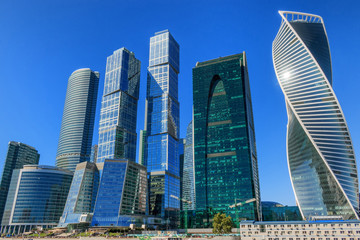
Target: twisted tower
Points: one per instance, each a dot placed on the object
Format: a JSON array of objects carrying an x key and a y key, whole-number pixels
[{"x": 320, "y": 154}]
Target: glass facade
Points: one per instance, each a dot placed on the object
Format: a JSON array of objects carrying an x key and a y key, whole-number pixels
[
  {"x": 162, "y": 126},
  {"x": 142, "y": 146},
  {"x": 94, "y": 153},
  {"x": 18, "y": 155},
  {"x": 188, "y": 179},
  {"x": 181, "y": 160},
  {"x": 77, "y": 124},
  {"x": 82, "y": 195},
  {"x": 224, "y": 140},
  {"x": 273, "y": 211},
  {"x": 321, "y": 158},
  {"x": 121, "y": 198},
  {"x": 38, "y": 196},
  {"x": 117, "y": 130}
]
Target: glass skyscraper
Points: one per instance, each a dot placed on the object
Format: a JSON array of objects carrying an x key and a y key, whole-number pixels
[
  {"x": 117, "y": 130},
  {"x": 181, "y": 160},
  {"x": 320, "y": 153},
  {"x": 82, "y": 195},
  {"x": 225, "y": 156},
  {"x": 162, "y": 126},
  {"x": 77, "y": 124},
  {"x": 142, "y": 146},
  {"x": 18, "y": 155},
  {"x": 94, "y": 152},
  {"x": 188, "y": 182},
  {"x": 121, "y": 199},
  {"x": 37, "y": 197}
]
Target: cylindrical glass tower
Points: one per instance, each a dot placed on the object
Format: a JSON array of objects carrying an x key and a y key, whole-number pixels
[{"x": 78, "y": 119}]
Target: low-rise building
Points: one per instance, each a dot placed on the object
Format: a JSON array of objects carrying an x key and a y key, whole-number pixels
[
  {"x": 82, "y": 195},
  {"x": 121, "y": 198},
  {"x": 36, "y": 198},
  {"x": 301, "y": 230}
]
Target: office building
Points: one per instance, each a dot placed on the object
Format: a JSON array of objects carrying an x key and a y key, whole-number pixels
[
  {"x": 82, "y": 195},
  {"x": 18, "y": 155},
  {"x": 181, "y": 160},
  {"x": 301, "y": 230},
  {"x": 121, "y": 198},
  {"x": 77, "y": 124},
  {"x": 226, "y": 170},
  {"x": 320, "y": 153},
  {"x": 94, "y": 153},
  {"x": 142, "y": 146},
  {"x": 117, "y": 130},
  {"x": 188, "y": 189},
  {"x": 273, "y": 211},
  {"x": 162, "y": 127},
  {"x": 37, "y": 196}
]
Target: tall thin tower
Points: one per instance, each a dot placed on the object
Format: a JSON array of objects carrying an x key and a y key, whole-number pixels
[
  {"x": 162, "y": 125},
  {"x": 320, "y": 153},
  {"x": 77, "y": 124}
]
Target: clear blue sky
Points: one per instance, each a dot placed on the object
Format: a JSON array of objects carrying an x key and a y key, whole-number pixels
[{"x": 43, "y": 42}]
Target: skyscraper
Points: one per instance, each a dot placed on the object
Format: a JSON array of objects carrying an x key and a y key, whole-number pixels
[
  {"x": 77, "y": 124},
  {"x": 226, "y": 167},
  {"x": 320, "y": 153},
  {"x": 18, "y": 155},
  {"x": 188, "y": 190},
  {"x": 94, "y": 152},
  {"x": 37, "y": 197},
  {"x": 119, "y": 201},
  {"x": 142, "y": 146},
  {"x": 117, "y": 130},
  {"x": 162, "y": 126},
  {"x": 181, "y": 160}
]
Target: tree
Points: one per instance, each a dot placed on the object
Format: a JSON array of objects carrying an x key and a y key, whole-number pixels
[{"x": 222, "y": 223}]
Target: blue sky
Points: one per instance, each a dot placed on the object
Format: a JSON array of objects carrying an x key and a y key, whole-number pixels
[{"x": 43, "y": 42}]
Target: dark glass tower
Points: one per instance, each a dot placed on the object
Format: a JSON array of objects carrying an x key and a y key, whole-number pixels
[
  {"x": 226, "y": 167},
  {"x": 162, "y": 126},
  {"x": 77, "y": 124},
  {"x": 18, "y": 155}
]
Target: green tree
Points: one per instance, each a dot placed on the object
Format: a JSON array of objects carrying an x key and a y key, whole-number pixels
[{"x": 222, "y": 223}]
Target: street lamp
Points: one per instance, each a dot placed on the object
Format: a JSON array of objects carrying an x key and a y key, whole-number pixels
[
  {"x": 186, "y": 212},
  {"x": 240, "y": 204}
]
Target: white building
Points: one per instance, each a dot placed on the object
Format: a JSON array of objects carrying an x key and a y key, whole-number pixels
[{"x": 301, "y": 230}]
